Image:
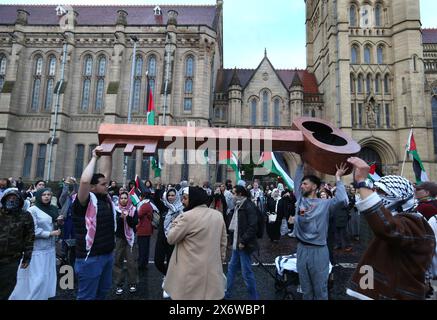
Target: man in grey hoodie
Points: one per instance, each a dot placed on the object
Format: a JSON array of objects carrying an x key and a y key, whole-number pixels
[{"x": 311, "y": 228}]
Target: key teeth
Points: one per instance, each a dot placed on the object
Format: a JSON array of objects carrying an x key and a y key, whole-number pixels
[{"x": 108, "y": 149}]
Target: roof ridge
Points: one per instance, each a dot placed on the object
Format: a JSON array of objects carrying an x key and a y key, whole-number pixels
[{"x": 106, "y": 5}]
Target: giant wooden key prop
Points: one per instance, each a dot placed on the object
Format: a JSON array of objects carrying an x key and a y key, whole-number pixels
[{"x": 322, "y": 145}]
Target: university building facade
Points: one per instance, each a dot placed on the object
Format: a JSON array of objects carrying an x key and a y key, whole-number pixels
[{"x": 371, "y": 70}]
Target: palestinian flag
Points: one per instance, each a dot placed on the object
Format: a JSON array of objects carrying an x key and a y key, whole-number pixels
[
  {"x": 419, "y": 170},
  {"x": 150, "y": 106},
  {"x": 156, "y": 166},
  {"x": 139, "y": 185},
  {"x": 135, "y": 196},
  {"x": 372, "y": 173},
  {"x": 274, "y": 163},
  {"x": 230, "y": 159}
]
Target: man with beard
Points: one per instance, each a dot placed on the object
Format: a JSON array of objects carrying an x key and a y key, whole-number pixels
[{"x": 17, "y": 233}]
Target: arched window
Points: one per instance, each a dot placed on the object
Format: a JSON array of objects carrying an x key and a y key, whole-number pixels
[
  {"x": 371, "y": 156},
  {"x": 2, "y": 71},
  {"x": 78, "y": 163},
  {"x": 354, "y": 54},
  {"x": 100, "y": 88},
  {"x": 36, "y": 88},
  {"x": 253, "y": 112},
  {"x": 378, "y": 84},
  {"x": 265, "y": 107},
  {"x": 434, "y": 117},
  {"x": 276, "y": 112},
  {"x": 387, "y": 115},
  {"x": 380, "y": 54},
  {"x": 27, "y": 164},
  {"x": 50, "y": 83},
  {"x": 405, "y": 117},
  {"x": 360, "y": 83},
  {"x": 86, "y": 82},
  {"x": 367, "y": 55},
  {"x": 352, "y": 83},
  {"x": 151, "y": 68},
  {"x": 41, "y": 161},
  {"x": 189, "y": 80},
  {"x": 414, "y": 63},
  {"x": 378, "y": 21},
  {"x": 368, "y": 83},
  {"x": 353, "y": 16},
  {"x": 387, "y": 84},
  {"x": 137, "y": 83}
]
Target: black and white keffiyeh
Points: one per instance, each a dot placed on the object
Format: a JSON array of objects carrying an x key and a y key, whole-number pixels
[{"x": 399, "y": 193}]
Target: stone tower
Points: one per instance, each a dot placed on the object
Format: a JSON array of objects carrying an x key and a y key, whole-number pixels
[{"x": 367, "y": 57}]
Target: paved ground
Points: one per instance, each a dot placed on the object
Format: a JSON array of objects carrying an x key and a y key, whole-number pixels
[{"x": 151, "y": 280}]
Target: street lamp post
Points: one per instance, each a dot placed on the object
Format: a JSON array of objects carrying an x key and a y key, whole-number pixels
[{"x": 131, "y": 100}]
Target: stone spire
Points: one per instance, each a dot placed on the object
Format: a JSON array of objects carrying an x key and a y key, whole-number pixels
[{"x": 235, "y": 81}]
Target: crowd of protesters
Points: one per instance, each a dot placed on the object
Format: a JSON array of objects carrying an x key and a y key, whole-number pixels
[{"x": 102, "y": 231}]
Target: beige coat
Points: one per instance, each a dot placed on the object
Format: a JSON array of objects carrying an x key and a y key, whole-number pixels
[{"x": 195, "y": 271}]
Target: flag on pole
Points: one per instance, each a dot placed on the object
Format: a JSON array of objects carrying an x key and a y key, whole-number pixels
[
  {"x": 139, "y": 185},
  {"x": 419, "y": 170},
  {"x": 150, "y": 105},
  {"x": 372, "y": 173},
  {"x": 274, "y": 162},
  {"x": 156, "y": 166},
  {"x": 134, "y": 194},
  {"x": 229, "y": 158}
]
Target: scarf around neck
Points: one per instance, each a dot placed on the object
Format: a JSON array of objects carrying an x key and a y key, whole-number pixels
[
  {"x": 174, "y": 209},
  {"x": 128, "y": 231}
]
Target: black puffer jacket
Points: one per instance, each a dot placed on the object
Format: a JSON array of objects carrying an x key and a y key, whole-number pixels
[{"x": 247, "y": 226}]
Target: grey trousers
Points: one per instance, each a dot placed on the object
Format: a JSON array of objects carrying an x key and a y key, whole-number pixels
[
  {"x": 123, "y": 251},
  {"x": 313, "y": 269}
]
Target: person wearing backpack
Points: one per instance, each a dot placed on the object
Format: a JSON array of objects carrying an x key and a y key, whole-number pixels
[{"x": 244, "y": 225}]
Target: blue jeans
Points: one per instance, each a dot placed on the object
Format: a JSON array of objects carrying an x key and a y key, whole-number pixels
[
  {"x": 241, "y": 260},
  {"x": 95, "y": 277}
]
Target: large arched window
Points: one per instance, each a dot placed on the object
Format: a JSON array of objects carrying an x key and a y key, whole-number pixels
[
  {"x": 368, "y": 83},
  {"x": 253, "y": 112},
  {"x": 86, "y": 82},
  {"x": 2, "y": 71},
  {"x": 36, "y": 88},
  {"x": 352, "y": 83},
  {"x": 378, "y": 84},
  {"x": 354, "y": 54},
  {"x": 137, "y": 83},
  {"x": 265, "y": 107},
  {"x": 371, "y": 156},
  {"x": 353, "y": 16},
  {"x": 378, "y": 19},
  {"x": 27, "y": 163},
  {"x": 387, "y": 84},
  {"x": 380, "y": 54},
  {"x": 100, "y": 88},
  {"x": 151, "y": 68},
  {"x": 434, "y": 116},
  {"x": 78, "y": 163},
  {"x": 189, "y": 81},
  {"x": 367, "y": 54},
  {"x": 276, "y": 112},
  {"x": 360, "y": 83},
  {"x": 51, "y": 73},
  {"x": 41, "y": 161}
]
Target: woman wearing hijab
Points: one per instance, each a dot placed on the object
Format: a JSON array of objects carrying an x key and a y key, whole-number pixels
[
  {"x": 274, "y": 221},
  {"x": 38, "y": 281},
  {"x": 195, "y": 271},
  {"x": 127, "y": 219},
  {"x": 163, "y": 250}
]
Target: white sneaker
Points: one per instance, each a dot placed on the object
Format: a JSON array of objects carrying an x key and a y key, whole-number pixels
[
  {"x": 165, "y": 295},
  {"x": 119, "y": 291}
]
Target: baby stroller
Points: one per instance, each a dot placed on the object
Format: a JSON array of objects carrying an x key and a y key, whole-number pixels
[{"x": 287, "y": 278}]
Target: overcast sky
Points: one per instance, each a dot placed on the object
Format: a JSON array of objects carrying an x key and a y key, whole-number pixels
[{"x": 252, "y": 25}]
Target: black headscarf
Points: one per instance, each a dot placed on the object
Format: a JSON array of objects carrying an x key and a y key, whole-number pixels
[
  {"x": 196, "y": 197},
  {"x": 48, "y": 208}
]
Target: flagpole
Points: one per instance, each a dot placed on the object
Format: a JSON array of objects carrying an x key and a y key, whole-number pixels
[
  {"x": 131, "y": 99},
  {"x": 406, "y": 152}
]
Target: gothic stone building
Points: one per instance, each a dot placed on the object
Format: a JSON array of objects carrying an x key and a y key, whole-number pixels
[{"x": 368, "y": 72}]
